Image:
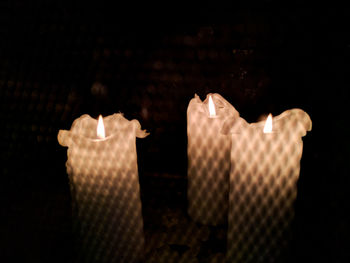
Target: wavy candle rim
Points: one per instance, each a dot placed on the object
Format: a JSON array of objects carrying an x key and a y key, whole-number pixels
[
  {"x": 222, "y": 106},
  {"x": 293, "y": 116},
  {"x": 66, "y": 136},
  {"x": 75, "y": 135}
]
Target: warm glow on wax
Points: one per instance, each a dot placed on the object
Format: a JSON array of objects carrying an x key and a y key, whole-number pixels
[
  {"x": 106, "y": 200},
  {"x": 100, "y": 128},
  {"x": 212, "y": 112},
  {"x": 268, "y": 124}
]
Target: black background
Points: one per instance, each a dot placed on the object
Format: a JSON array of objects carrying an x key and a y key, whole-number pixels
[{"x": 61, "y": 60}]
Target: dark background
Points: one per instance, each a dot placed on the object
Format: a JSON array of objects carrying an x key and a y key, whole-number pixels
[{"x": 59, "y": 61}]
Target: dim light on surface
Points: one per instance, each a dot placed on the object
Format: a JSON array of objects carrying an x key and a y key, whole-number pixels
[{"x": 100, "y": 128}]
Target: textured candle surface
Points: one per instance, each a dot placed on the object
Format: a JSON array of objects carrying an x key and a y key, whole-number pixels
[
  {"x": 263, "y": 186},
  {"x": 105, "y": 188},
  {"x": 208, "y": 160}
]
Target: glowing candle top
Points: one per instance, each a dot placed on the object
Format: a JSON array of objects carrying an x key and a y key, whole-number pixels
[
  {"x": 268, "y": 124},
  {"x": 212, "y": 111},
  {"x": 86, "y": 130},
  {"x": 294, "y": 121},
  {"x": 100, "y": 128},
  {"x": 213, "y": 107}
]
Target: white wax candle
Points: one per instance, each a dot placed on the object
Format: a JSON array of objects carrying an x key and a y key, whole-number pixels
[
  {"x": 263, "y": 186},
  {"x": 208, "y": 159},
  {"x": 105, "y": 188}
]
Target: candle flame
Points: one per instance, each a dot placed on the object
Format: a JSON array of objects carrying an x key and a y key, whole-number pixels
[
  {"x": 100, "y": 128},
  {"x": 212, "y": 112},
  {"x": 268, "y": 124}
]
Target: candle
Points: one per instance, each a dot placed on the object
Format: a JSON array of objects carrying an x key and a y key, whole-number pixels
[
  {"x": 265, "y": 159},
  {"x": 103, "y": 175},
  {"x": 208, "y": 159}
]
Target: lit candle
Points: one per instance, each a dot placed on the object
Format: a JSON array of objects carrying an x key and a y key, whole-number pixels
[
  {"x": 265, "y": 159},
  {"x": 103, "y": 175},
  {"x": 208, "y": 159}
]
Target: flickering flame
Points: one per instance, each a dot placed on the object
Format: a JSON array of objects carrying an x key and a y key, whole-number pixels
[
  {"x": 100, "y": 128},
  {"x": 268, "y": 124},
  {"x": 212, "y": 112}
]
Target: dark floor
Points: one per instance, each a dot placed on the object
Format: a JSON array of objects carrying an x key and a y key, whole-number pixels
[
  {"x": 171, "y": 236},
  {"x": 38, "y": 226}
]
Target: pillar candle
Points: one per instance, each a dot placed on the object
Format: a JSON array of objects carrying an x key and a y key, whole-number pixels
[
  {"x": 263, "y": 186},
  {"x": 105, "y": 190},
  {"x": 208, "y": 159}
]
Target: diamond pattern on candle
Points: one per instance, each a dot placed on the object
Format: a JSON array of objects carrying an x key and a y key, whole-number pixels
[
  {"x": 105, "y": 189},
  {"x": 208, "y": 160},
  {"x": 263, "y": 187}
]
